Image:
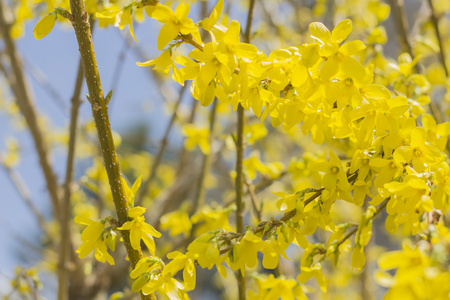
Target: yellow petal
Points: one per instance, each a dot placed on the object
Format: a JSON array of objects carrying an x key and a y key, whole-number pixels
[
  {"x": 44, "y": 26},
  {"x": 320, "y": 32},
  {"x": 376, "y": 92},
  {"x": 189, "y": 275},
  {"x": 358, "y": 258},
  {"x": 83, "y": 220},
  {"x": 160, "y": 12},
  {"x": 329, "y": 68},
  {"x": 418, "y": 137},
  {"x": 136, "y": 211},
  {"x": 209, "y": 22},
  {"x": 351, "y": 48},
  {"x": 135, "y": 238},
  {"x": 353, "y": 68},
  {"x": 168, "y": 32},
  {"x": 182, "y": 11},
  {"x": 341, "y": 31}
]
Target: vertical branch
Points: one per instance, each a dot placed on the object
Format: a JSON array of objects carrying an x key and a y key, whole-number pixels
[
  {"x": 101, "y": 118},
  {"x": 435, "y": 22},
  {"x": 239, "y": 187},
  {"x": 65, "y": 220},
  {"x": 26, "y": 106},
  {"x": 239, "y": 160}
]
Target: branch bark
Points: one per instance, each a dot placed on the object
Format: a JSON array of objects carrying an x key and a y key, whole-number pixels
[
  {"x": 63, "y": 272},
  {"x": 101, "y": 118}
]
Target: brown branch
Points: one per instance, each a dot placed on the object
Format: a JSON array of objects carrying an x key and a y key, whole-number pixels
[
  {"x": 63, "y": 272},
  {"x": 24, "y": 101},
  {"x": 101, "y": 119},
  {"x": 239, "y": 161}
]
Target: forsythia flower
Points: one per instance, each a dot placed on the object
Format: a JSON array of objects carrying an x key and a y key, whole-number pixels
[
  {"x": 174, "y": 22},
  {"x": 140, "y": 230},
  {"x": 92, "y": 237},
  {"x": 420, "y": 153},
  {"x": 334, "y": 173}
]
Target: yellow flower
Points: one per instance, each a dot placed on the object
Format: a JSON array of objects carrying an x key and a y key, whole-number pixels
[
  {"x": 121, "y": 18},
  {"x": 313, "y": 271},
  {"x": 92, "y": 237},
  {"x": 181, "y": 261},
  {"x": 139, "y": 230},
  {"x": 205, "y": 250},
  {"x": 334, "y": 173},
  {"x": 174, "y": 22},
  {"x": 420, "y": 153}
]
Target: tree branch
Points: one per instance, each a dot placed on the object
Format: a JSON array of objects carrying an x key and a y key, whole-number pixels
[
  {"x": 68, "y": 185},
  {"x": 101, "y": 119}
]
